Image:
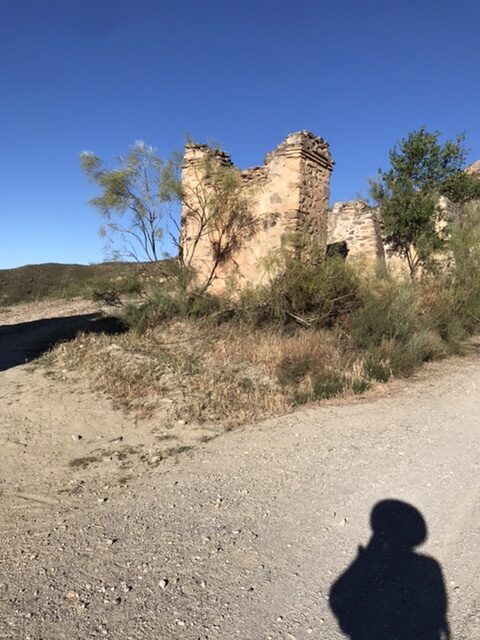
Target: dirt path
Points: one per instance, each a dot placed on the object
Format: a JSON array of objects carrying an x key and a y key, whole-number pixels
[{"x": 243, "y": 536}]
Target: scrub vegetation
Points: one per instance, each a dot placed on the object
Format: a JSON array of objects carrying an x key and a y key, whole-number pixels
[{"x": 321, "y": 328}]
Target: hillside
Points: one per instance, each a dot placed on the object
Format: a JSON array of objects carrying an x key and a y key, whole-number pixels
[{"x": 52, "y": 280}]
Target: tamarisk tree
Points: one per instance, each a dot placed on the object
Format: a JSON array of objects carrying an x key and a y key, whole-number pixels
[{"x": 135, "y": 201}]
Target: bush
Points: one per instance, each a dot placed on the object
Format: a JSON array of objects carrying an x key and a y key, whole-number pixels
[
  {"x": 360, "y": 386},
  {"x": 376, "y": 369},
  {"x": 109, "y": 290},
  {"x": 166, "y": 302},
  {"x": 442, "y": 311},
  {"x": 310, "y": 295},
  {"x": 292, "y": 370},
  {"x": 328, "y": 385},
  {"x": 389, "y": 310}
]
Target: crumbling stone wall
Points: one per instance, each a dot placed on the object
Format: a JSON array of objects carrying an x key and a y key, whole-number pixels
[
  {"x": 356, "y": 224},
  {"x": 474, "y": 169},
  {"x": 289, "y": 193}
]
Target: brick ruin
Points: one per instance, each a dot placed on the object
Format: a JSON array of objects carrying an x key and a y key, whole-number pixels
[{"x": 289, "y": 193}]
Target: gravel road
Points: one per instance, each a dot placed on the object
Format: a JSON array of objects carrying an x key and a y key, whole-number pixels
[{"x": 244, "y": 536}]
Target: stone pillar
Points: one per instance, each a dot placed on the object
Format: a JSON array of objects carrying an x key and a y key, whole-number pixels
[{"x": 288, "y": 195}]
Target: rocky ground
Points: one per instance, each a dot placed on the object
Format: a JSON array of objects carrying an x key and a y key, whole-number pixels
[{"x": 117, "y": 529}]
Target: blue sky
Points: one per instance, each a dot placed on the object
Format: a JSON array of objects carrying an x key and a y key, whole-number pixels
[{"x": 99, "y": 74}]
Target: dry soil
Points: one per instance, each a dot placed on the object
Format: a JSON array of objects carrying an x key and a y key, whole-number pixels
[{"x": 116, "y": 529}]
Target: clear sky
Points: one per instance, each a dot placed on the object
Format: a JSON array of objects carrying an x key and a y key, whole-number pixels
[{"x": 99, "y": 74}]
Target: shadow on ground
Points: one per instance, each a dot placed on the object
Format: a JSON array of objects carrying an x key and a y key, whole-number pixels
[
  {"x": 20, "y": 343},
  {"x": 390, "y": 591}
]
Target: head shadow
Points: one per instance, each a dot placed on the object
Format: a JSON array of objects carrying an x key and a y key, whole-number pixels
[{"x": 390, "y": 590}]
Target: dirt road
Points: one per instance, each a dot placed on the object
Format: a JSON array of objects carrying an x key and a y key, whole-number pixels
[{"x": 245, "y": 535}]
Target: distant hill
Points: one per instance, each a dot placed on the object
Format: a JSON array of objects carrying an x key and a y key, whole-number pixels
[{"x": 51, "y": 280}]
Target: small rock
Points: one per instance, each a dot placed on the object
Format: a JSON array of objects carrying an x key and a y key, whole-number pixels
[
  {"x": 71, "y": 595},
  {"x": 163, "y": 583},
  {"x": 76, "y": 437}
]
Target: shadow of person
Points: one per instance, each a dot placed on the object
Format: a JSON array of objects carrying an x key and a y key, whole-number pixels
[{"x": 390, "y": 592}]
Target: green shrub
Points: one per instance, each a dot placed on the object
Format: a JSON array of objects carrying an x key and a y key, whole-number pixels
[
  {"x": 307, "y": 294},
  {"x": 323, "y": 386},
  {"x": 109, "y": 289},
  {"x": 427, "y": 344},
  {"x": 360, "y": 386},
  {"x": 405, "y": 357},
  {"x": 165, "y": 302},
  {"x": 291, "y": 370},
  {"x": 376, "y": 369},
  {"x": 328, "y": 385},
  {"x": 389, "y": 310}
]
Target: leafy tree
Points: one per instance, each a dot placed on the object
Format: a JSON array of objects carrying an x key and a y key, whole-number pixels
[
  {"x": 136, "y": 205},
  {"x": 135, "y": 201},
  {"x": 422, "y": 169}
]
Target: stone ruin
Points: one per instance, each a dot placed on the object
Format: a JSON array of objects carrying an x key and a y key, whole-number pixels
[{"x": 288, "y": 194}]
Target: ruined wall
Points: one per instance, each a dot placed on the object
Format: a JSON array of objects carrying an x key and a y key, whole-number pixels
[
  {"x": 357, "y": 224},
  {"x": 474, "y": 169},
  {"x": 288, "y": 193}
]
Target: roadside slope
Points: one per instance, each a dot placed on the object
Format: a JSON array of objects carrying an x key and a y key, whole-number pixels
[{"x": 244, "y": 536}]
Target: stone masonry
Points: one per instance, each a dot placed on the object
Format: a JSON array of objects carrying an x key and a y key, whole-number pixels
[
  {"x": 356, "y": 224},
  {"x": 288, "y": 194}
]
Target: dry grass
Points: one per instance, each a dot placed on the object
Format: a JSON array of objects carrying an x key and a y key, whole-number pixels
[
  {"x": 196, "y": 373},
  {"x": 227, "y": 375}
]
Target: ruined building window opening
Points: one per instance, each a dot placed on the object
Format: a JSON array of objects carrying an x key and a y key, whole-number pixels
[{"x": 337, "y": 250}]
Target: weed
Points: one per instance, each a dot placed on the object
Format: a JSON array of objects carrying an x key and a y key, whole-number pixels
[
  {"x": 376, "y": 369},
  {"x": 360, "y": 386},
  {"x": 292, "y": 370},
  {"x": 329, "y": 385}
]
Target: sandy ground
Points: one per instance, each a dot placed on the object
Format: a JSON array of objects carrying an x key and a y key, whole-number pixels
[{"x": 108, "y": 529}]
